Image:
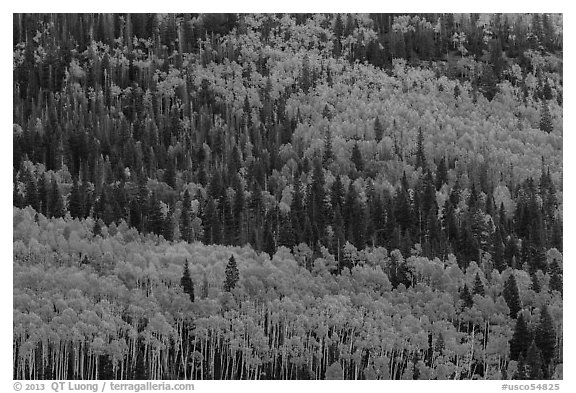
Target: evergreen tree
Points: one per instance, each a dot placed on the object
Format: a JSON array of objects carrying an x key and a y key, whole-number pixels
[
  {"x": 155, "y": 218},
  {"x": 441, "y": 174},
  {"x": 535, "y": 285},
  {"x": 521, "y": 372},
  {"x": 511, "y": 296},
  {"x": 337, "y": 194},
  {"x": 328, "y": 156},
  {"x": 357, "y": 158},
  {"x": 420, "y": 154},
  {"x": 75, "y": 201},
  {"x": 286, "y": 236},
  {"x": 43, "y": 197},
  {"x": 205, "y": 287},
  {"x": 556, "y": 277},
  {"x": 478, "y": 286},
  {"x": 238, "y": 212},
  {"x": 211, "y": 223},
  {"x": 185, "y": 218},
  {"x": 305, "y": 76},
  {"x": 534, "y": 362},
  {"x": 520, "y": 340},
  {"x": 170, "y": 173},
  {"x": 186, "y": 282},
  {"x": 546, "y": 119},
  {"x": 378, "y": 129},
  {"x": 466, "y": 297},
  {"x": 56, "y": 205},
  {"x": 31, "y": 193},
  {"x": 316, "y": 204},
  {"x": 545, "y": 336},
  {"x": 232, "y": 274},
  {"x": 168, "y": 227}
]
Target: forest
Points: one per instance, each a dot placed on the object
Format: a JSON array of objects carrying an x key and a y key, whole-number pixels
[{"x": 287, "y": 196}]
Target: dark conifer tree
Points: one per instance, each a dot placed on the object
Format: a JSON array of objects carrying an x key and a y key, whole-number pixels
[
  {"x": 186, "y": 282},
  {"x": 378, "y": 130},
  {"x": 205, "y": 286},
  {"x": 43, "y": 196},
  {"x": 232, "y": 274},
  {"x": 498, "y": 255},
  {"x": 556, "y": 277},
  {"x": 328, "y": 155},
  {"x": 535, "y": 285},
  {"x": 420, "y": 154},
  {"x": 534, "y": 362},
  {"x": 286, "y": 236},
  {"x": 238, "y": 212},
  {"x": 478, "y": 286},
  {"x": 75, "y": 201},
  {"x": 466, "y": 297},
  {"x": 170, "y": 173},
  {"x": 546, "y": 119},
  {"x": 31, "y": 192},
  {"x": 305, "y": 75},
  {"x": 56, "y": 205},
  {"x": 155, "y": 218},
  {"x": 168, "y": 227},
  {"x": 186, "y": 218},
  {"x": 337, "y": 194},
  {"x": 521, "y": 372},
  {"x": 211, "y": 223},
  {"x": 545, "y": 336},
  {"x": 441, "y": 174},
  {"x": 511, "y": 296},
  {"x": 520, "y": 340},
  {"x": 356, "y": 158},
  {"x": 316, "y": 200}
]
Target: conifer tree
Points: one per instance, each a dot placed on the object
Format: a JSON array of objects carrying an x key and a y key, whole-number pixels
[
  {"x": 545, "y": 336},
  {"x": 316, "y": 204},
  {"x": 546, "y": 119},
  {"x": 337, "y": 194},
  {"x": 286, "y": 234},
  {"x": 520, "y": 340},
  {"x": 170, "y": 173},
  {"x": 478, "y": 286},
  {"x": 534, "y": 362},
  {"x": 186, "y": 282},
  {"x": 328, "y": 155},
  {"x": 378, "y": 130},
  {"x": 168, "y": 226},
  {"x": 535, "y": 285},
  {"x": 441, "y": 174},
  {"x": 185, "y": 218},
  {"x": 305, "y": 76},
  {"x": 356, "y": 158},
  {"x": 155, "y": 218},
  {"x": 56, "y": 205},
  {"x": 232, "y": 274},
  {"x": 75, "y": 201},
  {"x": 43, "y": 197},
  {"x": 556, "y": 278},
  {"x": 466, "y": 297},
  {"x": 521, "y": 372},
  {"x": 31, "y": 193},
  {"x": 420, "y": 155},
  {"x": 205, "y": 286},
  {"x": 511, "y": 296}
]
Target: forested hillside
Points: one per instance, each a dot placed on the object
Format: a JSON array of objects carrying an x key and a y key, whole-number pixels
[{"x": 287, "y": 196}]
